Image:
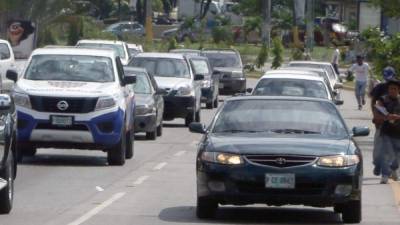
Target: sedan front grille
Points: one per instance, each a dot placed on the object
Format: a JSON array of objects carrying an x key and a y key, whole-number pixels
[{"x": 281, "y": 161}]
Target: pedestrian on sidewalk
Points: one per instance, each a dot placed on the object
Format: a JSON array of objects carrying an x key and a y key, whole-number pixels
[
  {"x": 361, "y": 71},
  {"x": 387, "y": 111},
  {"x": 377, "y": 93},
  {"x": 335, "y": 58}
]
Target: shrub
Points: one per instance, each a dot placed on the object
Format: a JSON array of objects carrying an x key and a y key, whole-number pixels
[
  {"x": 46, "y": 38},
  {"x": 73, "y": 33},
  {"x": 277, "y": 52},
  {"x": 222, "y": 34},
  {"x": 262, "y": 56},
  {"x": 297, "y": 54},
  {"x": 172, "y": 44}
]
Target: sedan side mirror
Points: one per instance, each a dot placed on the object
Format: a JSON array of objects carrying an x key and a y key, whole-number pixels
[
  {"x": 249, "y": 90},
  {"x": 130, "y": 79},
  {"x": 360, "y": 131},
  {"x": 338, "y": 102},
  {"x": 161, "y": 91},
  {"x": 5, "y": 102},
  {"x": 12, "y": 75},
  {"x": 199, "y": 77},
  {"x": 338, "y": 86},
  {"x": 197, "y": 128}
]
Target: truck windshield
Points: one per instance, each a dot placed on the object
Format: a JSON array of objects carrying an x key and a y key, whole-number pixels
[{"x": 70, "y": 68}]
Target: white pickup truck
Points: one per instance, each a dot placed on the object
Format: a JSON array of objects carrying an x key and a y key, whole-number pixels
[{"x": 7, "y": 61}]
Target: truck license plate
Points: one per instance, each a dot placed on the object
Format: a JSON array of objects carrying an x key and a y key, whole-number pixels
[{"x": 63, "y": 121}]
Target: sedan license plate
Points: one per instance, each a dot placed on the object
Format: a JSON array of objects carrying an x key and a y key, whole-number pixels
[
  {"x": 63, "y": 121},
  {"x": 280, "y": 181}
]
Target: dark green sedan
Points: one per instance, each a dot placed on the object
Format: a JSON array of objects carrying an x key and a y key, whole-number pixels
[{"x": 279, "y": 151}]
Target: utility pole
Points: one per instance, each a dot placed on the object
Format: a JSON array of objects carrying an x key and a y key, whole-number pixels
[
  {"x": 149, "y": 22},
  {"x": 266, "y": 26},
  {"x": 310, "y": 25}
]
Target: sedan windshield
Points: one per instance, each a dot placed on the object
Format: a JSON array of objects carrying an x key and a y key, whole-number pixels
[
  {"x": 162, "y": 67},
  {"x": 142, "y": 85},
  {"x": 117, "y": 48},
  {"x": 284, "y": 117},
  {"x": 70, "y": 68},
  {"x": 227, "y": 59},
  {"x": 291, "y": 87},
  {"x": 4, "y": 52}
]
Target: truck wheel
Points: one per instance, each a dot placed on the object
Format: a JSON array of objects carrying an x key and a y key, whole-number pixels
[
  {"x": 130, "y": 138},
  {"x": 206, "y": 208},
  {"x": 209, "y": 105},
  {"x": 189, "y": 119},
  {"x": 197, "y": 116},
  {"x": 159, "y": 129},
  {"x": 7, "y": 194},
  {"x": 216, "y": 102},
  {"x": 151, "y": 135},
  {"x": 116, "y": 154},
  {"x": 352, "y": 212}
]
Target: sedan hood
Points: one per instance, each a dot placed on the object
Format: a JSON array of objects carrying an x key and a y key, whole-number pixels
[
  {"x": 144, "y": 99},
  {"x": 172, "y": 82},
  {"x": 278, "y": 145},
  {"x": 65, "y": 88}
]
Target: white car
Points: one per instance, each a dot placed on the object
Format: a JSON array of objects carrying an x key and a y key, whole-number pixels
[
  {"x": 120, "y": 48},
  {"x": 314, "y": 64},
  {"x": 74, "y": 98},
  {"x": 7, "y": 61},
  {"x": 134, "y": 49},
  {"x": 293, "y": 83},
  {"x": 174, "y": 74}
]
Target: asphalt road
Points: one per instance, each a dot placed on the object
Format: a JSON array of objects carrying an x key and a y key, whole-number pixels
[{"x": 158, "y": 186}]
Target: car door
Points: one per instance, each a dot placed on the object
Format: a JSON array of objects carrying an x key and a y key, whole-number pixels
[
  {"x": 158, "y": 99},
  {"x": 196, "y": 85}
]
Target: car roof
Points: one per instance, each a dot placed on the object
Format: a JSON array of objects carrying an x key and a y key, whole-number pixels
[
  {"x": 283, "y": 98},
  {"x": 160, "y": 55},
  {"x": 134, "y": 45},
  {"x": 292, "y": 76},
  {"x": 74, "y": 51},
  {"x": 290, "y": 71},
  {"x": 184, "y": 50},
  {"x": 312, "y": 69},
  {"x": 100, "y": 42},
  {"x": 220, "y": 50},
  {"x": 310, "y": 62}
]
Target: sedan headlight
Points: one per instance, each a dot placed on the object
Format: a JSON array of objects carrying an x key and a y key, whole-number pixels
[
  {"x": 145, "y": 109},
  {"x": 338, "y": 160},
  {"x": 222, "y": 158},
  {"x": 105, "y": 103},
  {"x": 206, "y": 84},
  {"x": 22, "y": 100},
  {"x": 237, "y": 74},
  {"x": 184, "y": 91}
]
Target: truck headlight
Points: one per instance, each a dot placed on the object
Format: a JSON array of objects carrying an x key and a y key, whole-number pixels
[
  {"x": 184, "y": 91},
  {"x": 206, "y": 83},
  {"x": 145, "y": 109},
  {"x": 105, "y": 103},
  {"x": 222, "y": 158},
  {"x": 338, "y": 160},
  {"x": 22, "y": 100}
]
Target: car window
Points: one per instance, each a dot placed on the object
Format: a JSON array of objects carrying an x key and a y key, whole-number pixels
[
  {"x": 117, "y": 48},
  {"x": 163, "y": 67},
  {"x": 142, "y": 85},
  {"x": 4, "y": 52},
  {"x": 136, "y": 26},
  {"x": 291, "y": 87},
  {"x": 223, "y": 59},
  {"x": 70, "y": 68},
  {"x": 283, "y": 117},
  {"x": 200, "y": 66},
  {"x": 331, "y": 72}
]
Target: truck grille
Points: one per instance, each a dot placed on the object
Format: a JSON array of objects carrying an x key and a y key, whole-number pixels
[
  {"x": 280, "y": 161},
  {"x": 75, "y": 105}
]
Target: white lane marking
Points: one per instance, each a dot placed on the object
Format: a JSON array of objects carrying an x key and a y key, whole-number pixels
[
  {"x": 140, "y": 180},
  {"x": 97, "y": 209},
  {"x": 98, "y": 188},
  {"x": 160, "y": 166},
  {"x": 179, "y": 153}
]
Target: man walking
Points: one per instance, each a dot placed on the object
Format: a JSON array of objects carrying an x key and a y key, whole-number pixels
[
  {"x": 361, "y": 73},
  {"x": 377, "y": 93},
  {"x": 335, "y": 58}
]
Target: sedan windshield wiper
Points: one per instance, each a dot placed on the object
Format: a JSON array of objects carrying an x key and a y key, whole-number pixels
[
  {"x": 238, "y": 131},
  {"x": 294, "y": 131}
]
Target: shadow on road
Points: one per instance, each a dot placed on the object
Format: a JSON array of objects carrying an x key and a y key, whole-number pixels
[
  {"x": 252, "y": 215},
  {"x": 65, "y": 160}
]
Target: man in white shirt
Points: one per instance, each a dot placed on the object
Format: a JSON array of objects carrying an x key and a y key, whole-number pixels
[
  {"x": 335, "y": 58},
  {"x": 361, "y": 73}
]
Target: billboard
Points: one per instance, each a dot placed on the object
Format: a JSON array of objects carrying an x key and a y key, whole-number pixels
[{"x": 22, "y": 36}]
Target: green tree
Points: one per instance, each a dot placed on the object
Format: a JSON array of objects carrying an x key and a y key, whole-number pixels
[
  {"x": 262, "y": 56},
  {"x": 277, "y": 52},
  {"x": 390, "y": 8}
]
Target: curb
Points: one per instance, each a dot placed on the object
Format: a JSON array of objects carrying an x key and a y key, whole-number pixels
[{"x": 349, "y": 88}]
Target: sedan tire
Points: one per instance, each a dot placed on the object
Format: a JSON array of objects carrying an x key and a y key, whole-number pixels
[
  {"x": 210, "y": 105},
  {"x": 159, "y": 129},
  {"x": 7, "y": 194},
  {"x": 351, "y": 212},
  {"x": 206, "y": 208},
  {"x": 151, "y": 135},
  {"x": 130, "y": 137}
]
